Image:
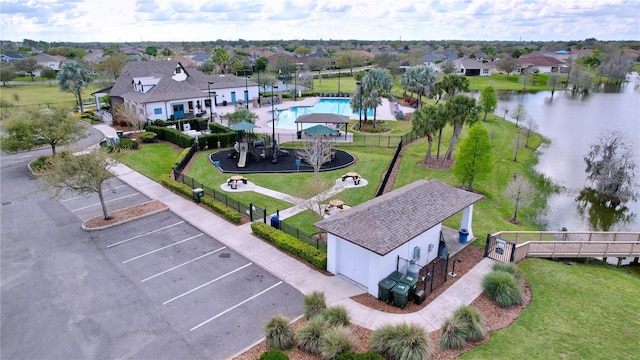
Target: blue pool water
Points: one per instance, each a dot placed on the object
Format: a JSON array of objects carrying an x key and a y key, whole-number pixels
[{"x": 287, "y": 118}]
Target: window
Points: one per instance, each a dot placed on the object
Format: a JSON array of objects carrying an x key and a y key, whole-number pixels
[
  {"x": 157, "y": 111},
  {"x": 485, "y": 71}
]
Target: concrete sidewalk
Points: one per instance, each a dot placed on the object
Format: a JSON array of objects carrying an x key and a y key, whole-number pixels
[{"x": 337, "y": 289}]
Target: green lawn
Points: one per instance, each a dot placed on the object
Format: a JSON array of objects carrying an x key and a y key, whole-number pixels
[
  {"x": 41, "y": 94},
  {"x": 152, "y": 160},
  {"x": 583, "y": 311}
]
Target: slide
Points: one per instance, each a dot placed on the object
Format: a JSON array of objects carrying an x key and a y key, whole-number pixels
[{"x": 242, "y": 158}]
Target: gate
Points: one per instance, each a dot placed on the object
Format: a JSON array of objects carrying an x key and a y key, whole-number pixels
[{"x": 499, "y": 249}]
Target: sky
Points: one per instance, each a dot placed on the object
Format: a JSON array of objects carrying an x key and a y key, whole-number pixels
[{"x": 198, "y": 20}]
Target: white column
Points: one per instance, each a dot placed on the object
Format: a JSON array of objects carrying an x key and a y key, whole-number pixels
[{"x": 467, "y": 215}]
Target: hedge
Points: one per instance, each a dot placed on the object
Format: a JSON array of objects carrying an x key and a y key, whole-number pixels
[
  {"x": 291, "y": 244},
  {"x": 227, "y": 212},
  {"x": 172, "y": 135}
]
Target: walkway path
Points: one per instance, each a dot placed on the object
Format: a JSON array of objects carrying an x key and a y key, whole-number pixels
[{"x": 337, "y": 289}]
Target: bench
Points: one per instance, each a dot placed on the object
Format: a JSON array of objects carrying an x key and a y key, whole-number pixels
[{"x": 354, "y": 176}]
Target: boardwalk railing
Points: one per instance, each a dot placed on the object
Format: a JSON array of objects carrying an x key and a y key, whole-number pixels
[{"x": 564, "y": 244}]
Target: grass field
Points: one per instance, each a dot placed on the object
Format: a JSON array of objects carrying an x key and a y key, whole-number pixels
[
  {"x": 28, "y": 94},
  {"x": 583, "y": 311}
]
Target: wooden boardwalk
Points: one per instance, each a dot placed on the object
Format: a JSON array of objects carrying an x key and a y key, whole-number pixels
[{"x": 563, "y": 244}]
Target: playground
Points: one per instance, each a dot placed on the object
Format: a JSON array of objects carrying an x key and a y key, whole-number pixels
[{"x": 255, "y": 157}]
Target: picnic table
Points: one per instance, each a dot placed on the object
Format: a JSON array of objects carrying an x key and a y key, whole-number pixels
[
  {"x": 353, "y": 175},
  {"x": 233, "y": 181}
]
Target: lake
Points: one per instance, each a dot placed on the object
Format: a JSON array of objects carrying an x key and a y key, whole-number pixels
[{"x": 572, "y": 123}]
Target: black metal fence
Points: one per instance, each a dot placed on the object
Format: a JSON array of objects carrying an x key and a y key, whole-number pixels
[
  {"x": 255, "y": 213},
  {"x": 358, "y": 140},
  {"x": 435, "y": 274},
  {"x": 387, "y": 174}
]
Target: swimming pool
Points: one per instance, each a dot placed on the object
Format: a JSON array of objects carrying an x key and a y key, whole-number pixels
[{"x": 287, "y": 118}]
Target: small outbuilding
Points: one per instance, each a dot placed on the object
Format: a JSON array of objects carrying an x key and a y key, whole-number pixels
[{"x": 365, "y": 243}]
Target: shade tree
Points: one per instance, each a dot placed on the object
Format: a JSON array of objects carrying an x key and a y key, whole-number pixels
[
  {"x": 474, "y": 160},
  {"x": 488, "y": 101}
]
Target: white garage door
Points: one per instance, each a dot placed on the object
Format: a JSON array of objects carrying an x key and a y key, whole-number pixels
[{"x": 353, "y": 262}]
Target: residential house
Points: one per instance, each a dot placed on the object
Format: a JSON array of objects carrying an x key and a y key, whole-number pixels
[
  {"x": 167, "y": 90},
  {"x": 200, "y": 58},
  {"x": 544, "y": 63},
  {"x": 366, "y": 242},
  {"x": 50, "y": 61},
  {"x": 433, "y": 60},
  {"x": 11, "y": 57},
  {"x": 470, "y": 67}
]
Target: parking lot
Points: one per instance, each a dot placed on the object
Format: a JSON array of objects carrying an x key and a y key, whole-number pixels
[{"x": 211, "y": 297}]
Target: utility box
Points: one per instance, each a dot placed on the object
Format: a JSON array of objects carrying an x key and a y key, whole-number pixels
[
  {"x": 400, "y": 293},
  {"x": 384, "y": 289},
  {"x": 419, "y": 297},
  {"x": 411, "y": 282},
  {"x": 197, "y": 194}
]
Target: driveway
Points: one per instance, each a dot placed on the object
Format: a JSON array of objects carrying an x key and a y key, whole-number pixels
[{"x": 154, "y": 288}]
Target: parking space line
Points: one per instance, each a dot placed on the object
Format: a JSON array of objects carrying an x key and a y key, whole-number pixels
[
  {"x": 183, "y": 264},
  {"x": 108, "y": 201},
  {"x": 162, "y": 248},
  {"x": 144, "y": 234},
  {"x": 235, "y": 306},
  {"x": 207, "y": 283},
  {"x": 104, "y": 191}
]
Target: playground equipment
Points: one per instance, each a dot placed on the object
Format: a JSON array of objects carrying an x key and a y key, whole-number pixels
[{"x": 242, "y": 149}]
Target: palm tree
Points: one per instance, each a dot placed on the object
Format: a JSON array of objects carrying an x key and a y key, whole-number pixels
[
  {"x": 419, "y": 79},
  {"x": 453, "y": 84},
  {"x": 375, "y": 83},
  {"x": 425, "y": 123},
  {"x": 459, "y": 111},
  {"x": 73, "y": 77}
]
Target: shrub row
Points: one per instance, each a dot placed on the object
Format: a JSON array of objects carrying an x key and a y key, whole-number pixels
[
  {"x": 172, "y": 135},
  {"x": 211, "y": 140},
  {"x": 401, "y": 342},
  {"x": 291, "y": 244},
  {"x": 227, "y": 212}
]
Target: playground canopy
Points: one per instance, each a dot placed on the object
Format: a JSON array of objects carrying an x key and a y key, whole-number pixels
[
  {"x": 322, "y": 118},
  {"x": 243, "y": 126},
  {"x": 319, "y": 130}
]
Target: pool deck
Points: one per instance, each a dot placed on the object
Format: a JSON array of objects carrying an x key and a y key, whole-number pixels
[{"x": 384, "y": 112}]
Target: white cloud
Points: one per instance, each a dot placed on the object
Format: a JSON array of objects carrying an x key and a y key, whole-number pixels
[{"x": 181, "y": 20}]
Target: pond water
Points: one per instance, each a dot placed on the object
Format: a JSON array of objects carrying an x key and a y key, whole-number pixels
[{"x": 573, "y": 123}]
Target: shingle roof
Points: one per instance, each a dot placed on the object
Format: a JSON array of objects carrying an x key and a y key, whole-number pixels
[
  {"x": 168, "y": 89},
  {"x": 471, "y": 64},
  {"x": 388, "y": 221}
]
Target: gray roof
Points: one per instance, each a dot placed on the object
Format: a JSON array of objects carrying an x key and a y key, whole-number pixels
[
  {"x": 167, "y": 89},
  {"x": 471, "y": 64},
  {"x": 321, "y": 118},
  {"x": 388, "y": 221}
]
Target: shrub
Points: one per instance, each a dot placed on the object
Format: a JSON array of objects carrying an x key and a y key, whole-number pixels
[
  {"x": 148, "y": 137},
  {"x": 291, "y": 244},
  {"x": 511, "y": 268},
  {"x": 401, "y": 342},
  {"x": 471, "y": 319},
  {"x": 127, "y": 144},
  {"x": 336, "y": 316},
  {"x": 453, "y": 334},
  {"x": 279, "y": 333},
  {"x": 274, "y": 354},
  {"x": 310, "y": 334},
  {"x": 314, "y": 304},
  {"x": 503, "y": 288},
  {"x": 335, "y": 341},
  {"x": 41, "y": 164}
]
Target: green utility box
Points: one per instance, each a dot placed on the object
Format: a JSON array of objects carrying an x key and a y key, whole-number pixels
[
  {"x": 384, "y": 289},
  {"x": 400, "y": 294},
  {"x": 412, "y": 282},
  {"x": 396, "y": 276},
  {"x": 197, "y": 194}
]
